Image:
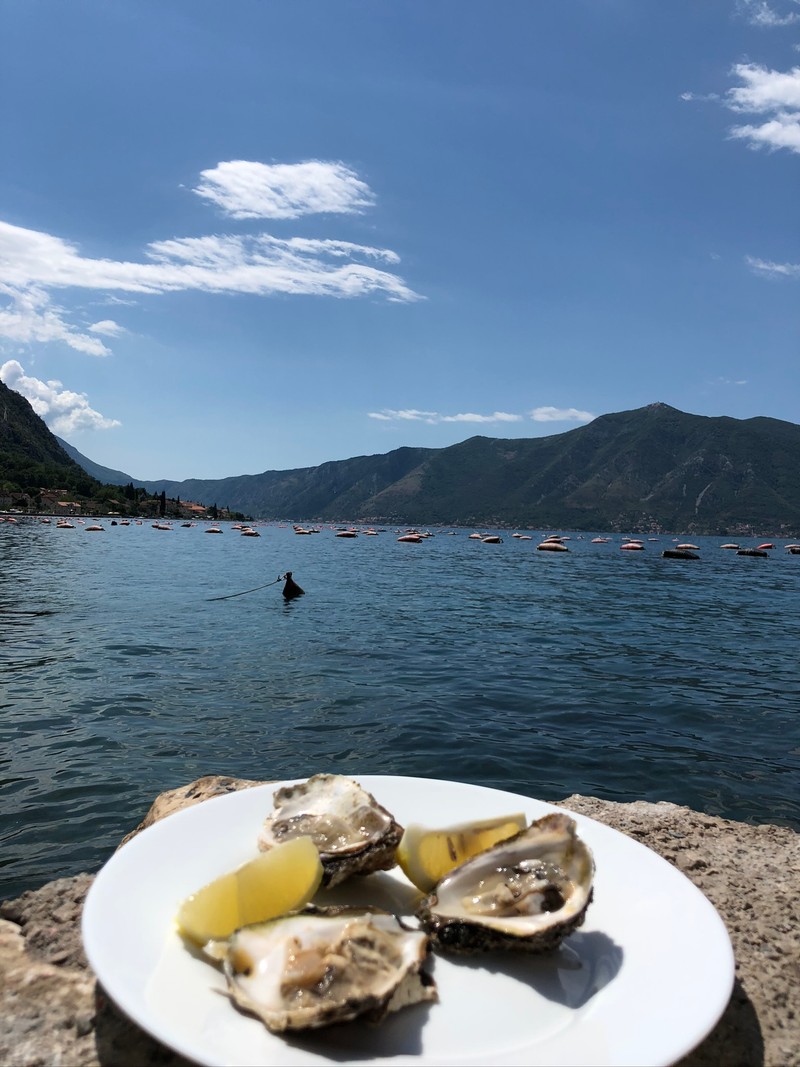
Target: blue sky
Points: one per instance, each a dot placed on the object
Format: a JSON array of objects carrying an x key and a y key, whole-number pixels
[{"x": 269, "y": 233}]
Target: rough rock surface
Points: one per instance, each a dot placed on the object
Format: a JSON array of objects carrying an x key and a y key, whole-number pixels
[{"x": 52, "y": 1011}]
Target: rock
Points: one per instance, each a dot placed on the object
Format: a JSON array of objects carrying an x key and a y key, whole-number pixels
[
  {"x": 213, "y": 785},
  {"x": 53, "y": 1012}
]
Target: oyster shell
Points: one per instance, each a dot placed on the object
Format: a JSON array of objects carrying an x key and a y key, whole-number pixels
[
  {"x": 525, "y": 893},
  {"x": 353, "y": 833},
  {"x": 326, "y": 965}
]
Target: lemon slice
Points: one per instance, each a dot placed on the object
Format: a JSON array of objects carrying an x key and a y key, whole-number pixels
[
  {"x": 426, "y": 856},
  {"x": 275, "y": 882}
]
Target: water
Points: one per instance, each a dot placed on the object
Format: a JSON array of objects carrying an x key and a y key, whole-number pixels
[{"x": 617, "y": 674}]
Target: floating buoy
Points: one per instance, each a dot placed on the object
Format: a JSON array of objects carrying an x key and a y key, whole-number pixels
[{"x": 291, "y": 589}]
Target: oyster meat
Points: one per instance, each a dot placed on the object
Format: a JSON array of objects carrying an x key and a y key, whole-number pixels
[
  {"x": 325, "y": 965},
  {"x": 353, "y": 833},
  {"x": 525, "y": 893}
]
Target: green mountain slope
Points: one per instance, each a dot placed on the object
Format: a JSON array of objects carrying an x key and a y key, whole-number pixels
[
  {"x": 654, "y": 468},
  {"x": 31, "y": 457}
]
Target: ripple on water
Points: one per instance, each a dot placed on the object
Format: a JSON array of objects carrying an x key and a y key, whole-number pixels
[{"x": 595, "y": 671}]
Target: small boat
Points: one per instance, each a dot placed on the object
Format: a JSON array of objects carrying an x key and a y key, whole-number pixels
[
  {"x": 600, "y": 540},
  {"x": 492, "y": 539},
  {"x": 551, "y": 546},
  {"x": 346, "y": 533},
  {"x": 688, "y": 548},
  {"x": 732, "y": 546},
  {"x": 411, "y": 539},
  {"x": 95, "y": 528},
  {"x": 679, "y": 553},
  {"x": 632, "y": 546},
  {"x": 248, "y": 531},
  {"x": 753, "y": 552},
  {"x": 766, "y": 545},
  {"x": 213, "y": 529}
]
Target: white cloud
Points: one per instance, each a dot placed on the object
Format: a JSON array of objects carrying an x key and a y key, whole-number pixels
[
  {"x": 780, "y": 132},
  {"x": 548, "y": 414},
  {"x": 63, "y": 411},
  {"x": 773, "y": 270},
  {"x": 764, "y": 90},
  {"x": 33, "y": 263},
  {"x": 107, "y": 327},
  {"x": 759, "y": 13},
  {"x": 699, "y": 96},
  {"x": 29, "y": 317},
  {"x": 772, "y": 94},
  {"x": 542, "y": 414},
  {"x": 236, "y": 264},
  {"x": 247, "y": 190},
  {"x": 435, "y": 417},
  {"x": 496, "y": 416}
]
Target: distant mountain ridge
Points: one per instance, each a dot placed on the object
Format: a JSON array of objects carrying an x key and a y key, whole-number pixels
[{"x": 654, "y": 468}]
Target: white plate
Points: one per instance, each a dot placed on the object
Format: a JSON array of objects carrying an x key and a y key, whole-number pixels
[{"x": 642, "y": 982}]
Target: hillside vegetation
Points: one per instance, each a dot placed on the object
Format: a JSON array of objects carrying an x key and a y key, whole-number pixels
[
  {"x": 655, "y": 468},
  {"x": 37, "y": 474},
  {"x": 651, "y": 469}
]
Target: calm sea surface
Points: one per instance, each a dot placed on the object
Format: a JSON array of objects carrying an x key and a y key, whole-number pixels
[{"x": 618, "y": 674}]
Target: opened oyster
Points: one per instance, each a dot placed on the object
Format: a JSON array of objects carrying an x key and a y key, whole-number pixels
[
  {"x": 525, "y": 893},
  {"x": 325, "y": 965},
  {"x": 353, "y": 833}
]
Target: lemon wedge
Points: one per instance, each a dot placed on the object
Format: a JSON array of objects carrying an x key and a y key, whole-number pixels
[
  {"x": 275, "y": 882},
  {"x": 426, "y": 856}
]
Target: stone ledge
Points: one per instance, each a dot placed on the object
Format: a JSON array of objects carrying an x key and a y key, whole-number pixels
[{"x": 52, "y": 1011}]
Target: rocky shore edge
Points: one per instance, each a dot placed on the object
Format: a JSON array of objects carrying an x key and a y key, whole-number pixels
[{"x": 53, "y": 1011}]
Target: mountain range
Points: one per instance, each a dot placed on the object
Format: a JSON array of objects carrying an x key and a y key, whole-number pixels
[{"x": 651, "y": 469}]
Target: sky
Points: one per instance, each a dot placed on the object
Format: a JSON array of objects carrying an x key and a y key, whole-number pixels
[{"x": 266, "y": 234}]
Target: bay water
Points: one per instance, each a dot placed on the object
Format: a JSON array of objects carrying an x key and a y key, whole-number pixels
[{"x": 613, "y": 673}]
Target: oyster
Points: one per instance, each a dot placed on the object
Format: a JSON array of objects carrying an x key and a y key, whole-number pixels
[
  {"x": 525, "y": 893},
  {"x": 353, "y": 833},
  {"x": 325, "y": 965}
]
